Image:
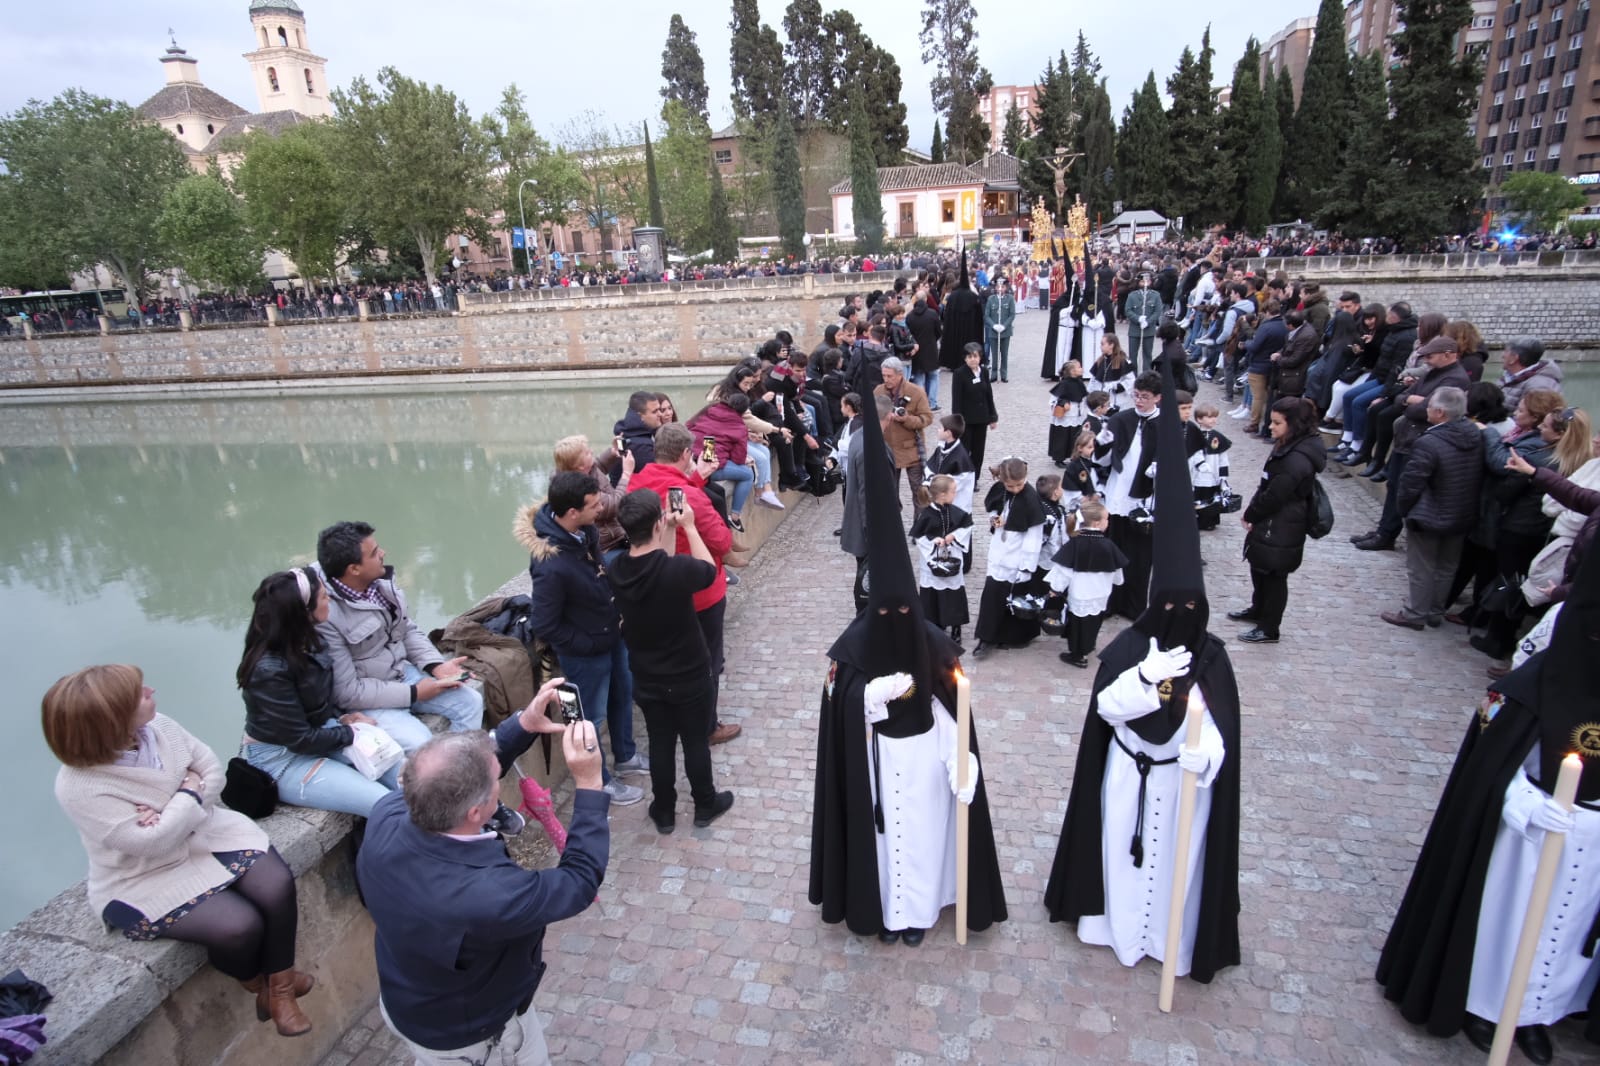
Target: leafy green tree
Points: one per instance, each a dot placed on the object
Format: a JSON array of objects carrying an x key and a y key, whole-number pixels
[
  {"x": 519, "y": 153},
  {"x": 1433, "y": 182},
  {"x": 1055, "y": 127},
  {"x": 949, "y": 41},
  {"x": 1084, "y": 76},
  {"x": 755, "y": 58},
  {"x": 751, "y": 189},
  {"x": 1198, "y": 177},
  {"x": 652, "y": 183},
  {"x": 787, "y": 184},
  {"x": 416, "y": 163},
  {"x": 82, "y": 182},
  {"x": 683, "y": 69},
  {"x": 724, "y": 235},
  {"x": 806, "y": 59},
  {"x": 857, "y": 61},
  {"x": 936, "y": 149},
  {"x": 1016, "y": 130},
  {"x": 1545, "y": 199},
  {"x": 683, "y": 162},
  {"x": 1352, "y": 200},
  {"x": 1283, "y": 205},
  {"x": 866, "y": 199},
  {"x": 1322, "y": 120},
  {"x": 296, "y": 195},
  {"x": 204, "y": 224},
  {"x": 1142, "y": 150},
  {"x": 613, "y": 182},
  {"x": 1249, "y": 138}
]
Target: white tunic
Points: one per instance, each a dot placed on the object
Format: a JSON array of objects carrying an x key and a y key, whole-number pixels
[
  {"x": 1094, "y": 327},
  {"x": 1137, "y": 897},
  {"x": 1013, "y": 556},
  {"x": 917, "y": 848},
  {"x": 959, "y": 547},
  {"x": 1119, "y": 483},
  {"x": 1087, "y": 592},
  {"x": 1562, "y": 979}
]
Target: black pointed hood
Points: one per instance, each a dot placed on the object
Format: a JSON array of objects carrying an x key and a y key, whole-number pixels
[
  {"x": 1176, "y": 577},
  {"x": 964, "y": 282},
  {"x": 890, "y": 635}
]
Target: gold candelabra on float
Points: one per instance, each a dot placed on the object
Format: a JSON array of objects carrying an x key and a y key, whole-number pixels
[
  {"x": 1044, "y": 228},
  {"x": 1077, "y": 234}
]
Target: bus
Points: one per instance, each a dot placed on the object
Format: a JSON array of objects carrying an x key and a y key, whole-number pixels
[{"x": 69, "y": 306}]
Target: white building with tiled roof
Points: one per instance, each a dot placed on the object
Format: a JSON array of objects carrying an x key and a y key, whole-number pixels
[{"x": 936, "y": 201}]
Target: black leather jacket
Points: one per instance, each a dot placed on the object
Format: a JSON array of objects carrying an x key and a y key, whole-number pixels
[{"x": 288, "y": 709}]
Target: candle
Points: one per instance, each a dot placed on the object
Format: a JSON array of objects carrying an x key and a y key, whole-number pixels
[
  {"x": 963, "y": 753},
  {"x": 1194, "y": 719}
]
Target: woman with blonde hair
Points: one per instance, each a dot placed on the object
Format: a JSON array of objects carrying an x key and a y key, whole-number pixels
[
  {"x": 1469, "y": 342},
  {"x": 165, "y": 860},
  {"x": 574, "y": 453}
]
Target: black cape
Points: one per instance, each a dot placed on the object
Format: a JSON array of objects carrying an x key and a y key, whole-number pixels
[
  {"x": 937, "y": 521},
  {"x": 1069, "y": 302},
  {"x": 844, "y": 849},
  {"x": 1427, "y": 959},
  {"x": 1090, "y": 552},
  {"x": 963, "y": 325},
  {"x": 953, "y": 460},
  {"x": 1077, "y": 878}
]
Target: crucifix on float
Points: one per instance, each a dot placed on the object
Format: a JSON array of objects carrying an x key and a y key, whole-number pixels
[{"x": 1059, "y": 164}]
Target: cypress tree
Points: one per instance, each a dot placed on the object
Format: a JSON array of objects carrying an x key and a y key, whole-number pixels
[
  {"x": 866, "y": 200},
  {"x": 1249, "y": 138},
  {"x": 1198, "y": 178},
  {"x": 787, "y": 183},
  {"x": 936, "y": 149},
  {"x": 1322, "y": 120},
  {"x": 684, "y": 69},
  {"x": 1353, "y": 196},
  {"x": 1433, "y": 181},
  {"x": 1099, "y": 151},
  {"x": 1142, "y": 150},
  {"x": 1264, "y": 169},
  {"x": 1283, "y": 201},
  {"x": 652, "y": 184},
  {"x": 1013, "y": 136},
  {"x": 724, "y": 234}
]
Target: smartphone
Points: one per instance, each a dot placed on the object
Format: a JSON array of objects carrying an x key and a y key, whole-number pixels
[
  {"x": 616, "y": 445},
  {"x": 571, "y": 702},
  {"x": 708, "y": 449},
  {"x": 675, "y": 500}
]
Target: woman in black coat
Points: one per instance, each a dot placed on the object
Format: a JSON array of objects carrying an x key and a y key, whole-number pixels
[
  {"x": 1276, "y": 521},
  {"x": 972, "y": 397}
]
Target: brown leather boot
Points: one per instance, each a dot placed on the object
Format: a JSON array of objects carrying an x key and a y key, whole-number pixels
[
  {"x": 257, "y": 986},
  {"x": 286, "y": 1012}
]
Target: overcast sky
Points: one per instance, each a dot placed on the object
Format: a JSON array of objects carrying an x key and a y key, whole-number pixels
[{"x": 569, "y": 56}]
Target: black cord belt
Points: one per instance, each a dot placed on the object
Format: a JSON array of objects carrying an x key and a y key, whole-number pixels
[{"x": 1143, "y": 762}]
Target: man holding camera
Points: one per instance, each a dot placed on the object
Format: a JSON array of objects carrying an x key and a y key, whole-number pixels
[
  {"x": 460, "y": 926},
  {"x": 909, "y": 415},
  {"x": 655, "y": 588}
]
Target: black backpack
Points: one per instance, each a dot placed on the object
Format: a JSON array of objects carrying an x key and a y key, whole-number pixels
[{"x": 1319, "y": 511}]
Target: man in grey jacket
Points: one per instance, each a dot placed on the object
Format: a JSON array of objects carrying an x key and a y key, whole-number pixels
[{"x": 383, "y": 665}]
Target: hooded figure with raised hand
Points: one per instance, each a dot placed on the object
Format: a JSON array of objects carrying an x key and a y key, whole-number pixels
[
  {"x": 883, "y": 824},
  {"x": 1112, "y": 872},
  {"x": 1448, "y": 957}
]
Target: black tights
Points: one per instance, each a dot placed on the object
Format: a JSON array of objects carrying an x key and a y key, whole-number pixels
[{"x": 248, "y": 928}]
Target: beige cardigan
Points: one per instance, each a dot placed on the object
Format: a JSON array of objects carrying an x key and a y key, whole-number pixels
[{"x": 156, "y": 868}]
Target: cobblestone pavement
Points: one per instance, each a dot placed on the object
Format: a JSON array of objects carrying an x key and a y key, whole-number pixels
[{"x": 703, "y": 947}]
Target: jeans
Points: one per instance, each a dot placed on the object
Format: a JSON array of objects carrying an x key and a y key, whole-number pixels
[
  {"x": 1338, "y": 392},
  {"x": 928, "y": 382},
  {"x": 742, "y": 478},
  {"x": 711, "y": 621},
  {"x": 1389, "y": 525},
  {"x": 323, "y": 782},
  {"x": 461, "y": 705},
  {"x": 1357, "y": 406},
  {"x": 674, "y": 714},
  {"x": 520, "y": 1043},
  {"x": 606, "y": 688}
]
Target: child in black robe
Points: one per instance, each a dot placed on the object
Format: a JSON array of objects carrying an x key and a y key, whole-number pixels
[
  {"x": 1016, "y": 522},
  {"x": 942, "y": 534},
  {"x": 951, "y": 458},
  {"x": 1067, "y": 412},
  {"x": 1084, "y": 571},
  {"x": 1208, "y": 467}
]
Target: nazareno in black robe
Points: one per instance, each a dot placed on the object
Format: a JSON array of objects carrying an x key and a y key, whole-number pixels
[
  {"x": 844, "y": 851},
  {"x": 1077, "y": 877},
  {"x": 963, "y": 325},
  {"x": 1069, "y": 302},
  {"x": 1426, "y": 963}
]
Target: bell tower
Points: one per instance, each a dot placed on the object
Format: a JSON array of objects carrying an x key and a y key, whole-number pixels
[{"x": 288, "y": 75}]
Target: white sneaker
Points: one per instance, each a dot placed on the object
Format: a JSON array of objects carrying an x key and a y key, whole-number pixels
[
  {"x": 1239, "y": 412},
  {"x": 770, "y": 498}
]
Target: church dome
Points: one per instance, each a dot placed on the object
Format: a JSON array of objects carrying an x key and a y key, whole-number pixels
[{"x": 275, "y": 5}]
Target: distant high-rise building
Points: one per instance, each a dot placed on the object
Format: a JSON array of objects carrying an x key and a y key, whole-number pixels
[
  {"x": 994, "y": 107},
  {"x": 1290, "y": 47}
]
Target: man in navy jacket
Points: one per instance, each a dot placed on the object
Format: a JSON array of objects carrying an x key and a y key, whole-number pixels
[{"x": 460, "y": 926}]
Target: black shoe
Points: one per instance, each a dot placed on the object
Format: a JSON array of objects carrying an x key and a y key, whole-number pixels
[
  {"x": 839, "y": 532},
  {"x": 955, "y": 634},
  {"x": 1375, "y": 542},
  {"x": 664, "y": 823},
  {"x": 718, "y": 809},
  {"x": 1379, "y": 478},
  {"x": 1493, "y": 651},
  {"x": 735, "y": 524},
  {"x": 981, "y": 650},
  {"x": 889, "y": 936},
  {"x": 912, "y": 937},
  {"x": 1532, "y": 1040},
  {"x": 1479, "y": 1031},
  {"x": 1246, "y": 615},
  {"x": 1258, "y": 636},
  {"x": 1371, "y": 469},
  {"x": 1080, "y": 661},
  {"x": 1357, "y": 537}
]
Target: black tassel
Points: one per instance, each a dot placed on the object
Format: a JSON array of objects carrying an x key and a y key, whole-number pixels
[
  {"x": 1137, "y": 850},
  {"x": 877, "y": 815}
]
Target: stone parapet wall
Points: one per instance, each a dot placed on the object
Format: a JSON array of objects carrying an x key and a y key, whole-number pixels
[{"x": 711, "y": 324}]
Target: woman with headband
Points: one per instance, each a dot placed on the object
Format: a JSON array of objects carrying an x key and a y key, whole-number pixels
[{"x": 292, "y": 729}]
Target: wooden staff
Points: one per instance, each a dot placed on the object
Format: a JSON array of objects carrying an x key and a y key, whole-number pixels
[
  {"x": 1543, "y": 882},
  {"x": 963, "y": 753},
  {"x": 1180, "y": 860}
]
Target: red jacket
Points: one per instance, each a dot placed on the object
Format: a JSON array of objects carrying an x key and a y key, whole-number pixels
[
  {"x": 659, "y": 477},
  {"x": 732, "y": 436}
]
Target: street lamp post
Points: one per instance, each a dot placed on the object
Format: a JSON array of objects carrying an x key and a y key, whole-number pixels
[{"x": 527, "y": 257}]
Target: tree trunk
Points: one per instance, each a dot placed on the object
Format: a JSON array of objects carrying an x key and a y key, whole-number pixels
[{"x": 429, "y": 252}]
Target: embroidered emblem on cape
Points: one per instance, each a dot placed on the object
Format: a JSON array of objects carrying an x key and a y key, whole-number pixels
[{"x": 1586, "y": 739}]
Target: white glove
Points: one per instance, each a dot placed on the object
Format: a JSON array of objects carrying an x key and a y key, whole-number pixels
[
  {"x": 1193, "y": 760},
  {"x": 964, "y": 795},
  {"x": 881, "y": 691},
  {"x": 1159, "y": 665},
  {"x": 999, "y": 329},
  {"x": 1144, "y": 323},
  {"x": 1551, "y": 817}
]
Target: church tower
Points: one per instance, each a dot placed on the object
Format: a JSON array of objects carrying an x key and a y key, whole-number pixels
[{"x": 288, "y": 75}]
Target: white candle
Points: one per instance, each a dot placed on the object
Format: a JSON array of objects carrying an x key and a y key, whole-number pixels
[{"x": 963, "y": 752}]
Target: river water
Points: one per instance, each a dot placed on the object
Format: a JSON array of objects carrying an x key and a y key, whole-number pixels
[{"x": 136, "y": 530}]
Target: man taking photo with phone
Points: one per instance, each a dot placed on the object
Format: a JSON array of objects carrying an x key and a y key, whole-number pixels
[{"x": 672, "y": 681}]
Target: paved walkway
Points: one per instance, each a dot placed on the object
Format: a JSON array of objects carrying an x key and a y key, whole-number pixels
[{"x": 703, "y": 947}]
